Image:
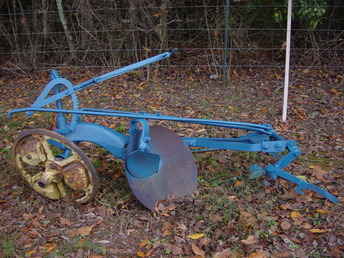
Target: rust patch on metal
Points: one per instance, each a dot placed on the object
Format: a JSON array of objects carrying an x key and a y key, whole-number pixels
[
  {"x": 75, "y": 176},
  {"x": 31, "y": 152}
]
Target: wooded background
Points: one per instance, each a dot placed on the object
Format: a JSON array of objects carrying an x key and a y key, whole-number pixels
[{"x": 41, "y": 34}]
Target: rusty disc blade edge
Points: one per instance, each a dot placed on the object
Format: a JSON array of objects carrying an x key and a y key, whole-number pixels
[{"x": 177, "y": 175}]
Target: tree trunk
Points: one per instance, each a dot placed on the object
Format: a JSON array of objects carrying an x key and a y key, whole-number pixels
[
  {"x": 65, "y": 28},
  {"x": 163, "y": 33},
  {"x": 45, "y": 6}
]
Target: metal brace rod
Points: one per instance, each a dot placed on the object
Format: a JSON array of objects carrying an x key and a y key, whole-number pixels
[
  {"x": 100, "y": 78},
  {"x": 266, "y": 129}
]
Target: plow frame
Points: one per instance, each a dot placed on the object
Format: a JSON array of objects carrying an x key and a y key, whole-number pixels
[{"x": 259, "y": 138}]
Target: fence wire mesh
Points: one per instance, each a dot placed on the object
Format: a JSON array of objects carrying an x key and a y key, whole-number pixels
[{"x": 36, "y": 35}]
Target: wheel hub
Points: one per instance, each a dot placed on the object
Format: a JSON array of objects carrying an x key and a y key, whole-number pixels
[{"x": 53, "y": 166}]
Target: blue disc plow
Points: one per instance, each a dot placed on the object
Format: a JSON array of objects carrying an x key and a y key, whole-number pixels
[{"x": 159, "y": 164}]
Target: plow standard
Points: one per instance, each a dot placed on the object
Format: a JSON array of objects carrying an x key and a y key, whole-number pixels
[{"x": 159, "y": 164}]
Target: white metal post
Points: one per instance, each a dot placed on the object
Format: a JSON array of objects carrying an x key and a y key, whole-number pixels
[{"x": 287, "y": 64}]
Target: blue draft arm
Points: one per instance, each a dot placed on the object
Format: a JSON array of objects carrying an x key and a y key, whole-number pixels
[
  {"x": 274, "y": 172},
  {"x": 43, "y": 100}
]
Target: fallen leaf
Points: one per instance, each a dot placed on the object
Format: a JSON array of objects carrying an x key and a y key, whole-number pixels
[
  {"x": 279, "y": 254},
  {"x": 27, "y": 216},
  {"x": 227, "y": 253},
  {"x": 215, "y": 218},
  {"x": 149, "y": 253},
  {"x": 143, "y": 243},
  {"x": 285, "y": 206},
  {"x": 40, "y": 210},
  {"x": 307, "y": 226},
  {"x": 250, "y": 240},
  {"x": 204, "y": 241},
  {"x": 295, "y": 215},
  {"x": 30, "y": 252},
  {"x": 238, "y": 183},
  {"x": 48, "y": 247},
  {"x": 321, "y": 211},
  {"x": 196, "y": 236},
  {"x": 285, "y": 225},
  {"x": 318, "y": 230},
  {"x": 176, "y": 250},
  {"x": 141, "y": 254},
  {"x": 258, "y": 254},
  {"x": 65, "y": 222},
  {"x": 167, "y": 229},
  {"x": 247, "y": 219},
  {"x": 318, "y": 172},
  {"x": 83, "y": 231},
  {"x": 198, "y": 251}
]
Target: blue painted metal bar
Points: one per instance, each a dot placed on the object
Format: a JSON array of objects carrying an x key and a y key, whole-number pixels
[
  {"x": 266, "y": 129},
  {"x": 274, "y": 172},
  {"x": 237, "y": 145},
  {"x": 109, "y": 139},
  {"x": 88, "y": 83}
]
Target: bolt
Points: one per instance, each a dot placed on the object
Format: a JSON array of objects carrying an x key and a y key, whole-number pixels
[{"x": 41, "y": 184}]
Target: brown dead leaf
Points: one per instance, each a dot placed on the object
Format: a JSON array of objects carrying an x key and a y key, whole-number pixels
[
  {"x": 144, "y": 243},
  {"x": 250, "y": 240},
  {"x": 36, "y": 223},
  {"x": 319, "y": 172},
  {"x": 176, "y": 250},
  {"x": 227, "y": 253},
  {"x": 48, "y": 247},
  {"x": 65, "y": 222},
  {"x": 258, "y": 254},
  {"x": 286, "y": 206},
  {"x": 247, "y": 219},
  {"x": 204, "y": 241},
  {"x": 149, "y": 253},
  {"x": 279, "y": 254},
  {"x": 318, "y": 230},
  {"x": 82, "y": 231},
  {"x": 167, "y": 229},
  {"x": 285, "y": 225},
  {"x": 215, "y": 218},
  {"x": 30, "y": 252},
  {"x": 306, "y": 225},
  {"x": 295, "y": 215},
  {"x": 40, "y": 210},
  {"x": 141, "y": 254},
  {"x": 198, "y": 251},
  {"x": 27, "y": 216}
]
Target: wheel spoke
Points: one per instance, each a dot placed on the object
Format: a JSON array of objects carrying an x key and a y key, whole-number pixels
[
  {"x": 46, "y": 147},
  {"x": 62, "y": 189},
  {"x": 64, "y": 162},
  {"x": 35, "y": 178}
]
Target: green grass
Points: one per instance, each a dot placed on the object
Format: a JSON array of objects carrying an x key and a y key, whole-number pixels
[{"x": 8, "y": 248}]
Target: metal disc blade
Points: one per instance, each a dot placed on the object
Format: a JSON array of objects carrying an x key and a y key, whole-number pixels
[{"x": 177, "y": 174}]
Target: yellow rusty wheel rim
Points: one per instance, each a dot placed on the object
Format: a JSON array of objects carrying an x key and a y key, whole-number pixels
[{"x": 48, "y": 173}]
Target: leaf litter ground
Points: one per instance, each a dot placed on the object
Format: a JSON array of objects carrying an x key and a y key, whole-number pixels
[{"x": 229, "y": 216}]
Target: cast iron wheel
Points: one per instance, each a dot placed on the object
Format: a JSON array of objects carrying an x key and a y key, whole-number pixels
[{"x": 54, "y": 166}]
